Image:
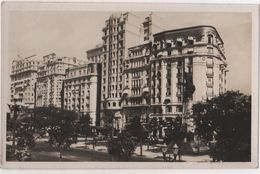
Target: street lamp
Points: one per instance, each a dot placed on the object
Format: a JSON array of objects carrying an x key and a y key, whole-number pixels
[{"x": 14, "y": 108}]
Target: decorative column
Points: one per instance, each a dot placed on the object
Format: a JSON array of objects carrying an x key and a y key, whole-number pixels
[
  {"x": 129, "y": 84},
  {"x": 156, "y": 83},
  {"x": 174, "y": 82},
  {"x": 93, "y": 99},
  {"x": 163, "y": 84}
]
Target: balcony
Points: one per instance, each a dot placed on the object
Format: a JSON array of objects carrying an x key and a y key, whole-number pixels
[
  {"x": 209, "y": 84},
  {"x": 209, "y": 64},
  {"x": 126, "y": 91},
  {"x": 145, "y": 89},
  {"x": 105, "y": 28},
  {"x": 190, "y": 50},
  {"x": 209, "y": 74}
]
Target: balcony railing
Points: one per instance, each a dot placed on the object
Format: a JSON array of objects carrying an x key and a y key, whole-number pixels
[{"x": 209, "y": 74}]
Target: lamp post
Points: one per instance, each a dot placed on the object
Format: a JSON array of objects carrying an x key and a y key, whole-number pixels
[{"x": 14, "y": 108}]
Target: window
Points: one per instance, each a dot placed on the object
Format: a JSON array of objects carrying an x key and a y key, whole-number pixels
[
  {"x": 190, "y": 41},
  {"x": 178, "y": 108},
  {"x": 210, "y": 50},
  {"x": 210, "y": 39},
  {"x": 114, "y": 104},
  {"x": 179, "y": 43},
  {"x": 168, "y": 109}
]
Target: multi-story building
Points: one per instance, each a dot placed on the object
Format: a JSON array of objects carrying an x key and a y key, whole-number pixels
[
  {"x": 120, "y": 32},
  {"x": 51, "y": 72},
  {"x": 152, "y": 24},
  {"x": 193, "y": 56},
  {"x": 23, "y": 79},
  {"x": 94, "y": 55},
  {"x": 136, "y": 94},
  {"x": 82, "y": 90}
]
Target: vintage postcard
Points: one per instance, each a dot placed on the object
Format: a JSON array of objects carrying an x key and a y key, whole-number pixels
[{"x": 149, "y": 85}]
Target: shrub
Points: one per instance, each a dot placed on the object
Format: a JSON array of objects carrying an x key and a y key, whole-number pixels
[{"x": 122, "y": 147}]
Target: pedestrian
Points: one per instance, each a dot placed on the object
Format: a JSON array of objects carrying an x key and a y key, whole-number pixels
[{"x": 175, "y": 152}]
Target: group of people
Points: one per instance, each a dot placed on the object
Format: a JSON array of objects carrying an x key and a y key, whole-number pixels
[{"x": 171, "y": 149}]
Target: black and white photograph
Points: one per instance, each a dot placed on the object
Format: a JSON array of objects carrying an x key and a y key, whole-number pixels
[{"x": 160, "y": 84}]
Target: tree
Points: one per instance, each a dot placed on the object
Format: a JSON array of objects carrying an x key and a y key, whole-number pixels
[
  {"x": 84, "y": 125},
  {"x": 225, "y": 123},
  {"x": 189, "y": 87},
  {"x": 21, "y": 127},
  {"x": 61, "y": 127},
  {"x": 137, "y": 130},
  {"x": 108, "y": 119},
  {"x": 122, "y": 147},
  {"x": 175, "y": 131},
  {"x": 153, "y": 126}
]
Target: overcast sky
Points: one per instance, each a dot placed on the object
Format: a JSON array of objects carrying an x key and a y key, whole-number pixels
[{"x": 69, "y": 33}]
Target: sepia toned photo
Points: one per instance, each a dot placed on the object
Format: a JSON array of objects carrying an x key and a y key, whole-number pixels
[{"x": 109, "y": 83}]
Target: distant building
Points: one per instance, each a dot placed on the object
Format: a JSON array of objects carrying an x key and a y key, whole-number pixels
[
  {"x": 23, "y": 79},
  {"x": 51, "y": 72},
  {"x": 94, "y": 55},
  {"x": 82, "y": 90}
]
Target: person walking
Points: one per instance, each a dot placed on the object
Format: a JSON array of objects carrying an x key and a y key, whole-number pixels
[{"x": 175, "y": 152}]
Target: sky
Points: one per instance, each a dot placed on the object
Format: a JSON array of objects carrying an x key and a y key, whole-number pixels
[{"x": 72, "y": 33}]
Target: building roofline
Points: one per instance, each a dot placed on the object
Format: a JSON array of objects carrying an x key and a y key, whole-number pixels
[
  {"x": 189, "y": 28},
  {"x": 142, "y": 44},
  {"x": 97, "y": 47},
  {"x": 83, "y": 65}
]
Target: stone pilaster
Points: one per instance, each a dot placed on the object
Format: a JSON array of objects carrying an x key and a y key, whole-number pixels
[{"x": 174, "y": 82}]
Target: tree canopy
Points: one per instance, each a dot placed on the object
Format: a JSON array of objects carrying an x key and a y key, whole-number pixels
[{"x": 225, "y": 123}]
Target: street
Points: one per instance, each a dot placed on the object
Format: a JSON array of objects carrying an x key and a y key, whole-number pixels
[{"x": 81, "y": 152}]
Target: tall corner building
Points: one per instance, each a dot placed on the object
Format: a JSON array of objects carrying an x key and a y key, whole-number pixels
[
  {"x": 23, "y": 79},
  {"x": 121, "y": 31},
  {"x": 192, "y": 55},
  {"x": 51, "y": 73}
]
